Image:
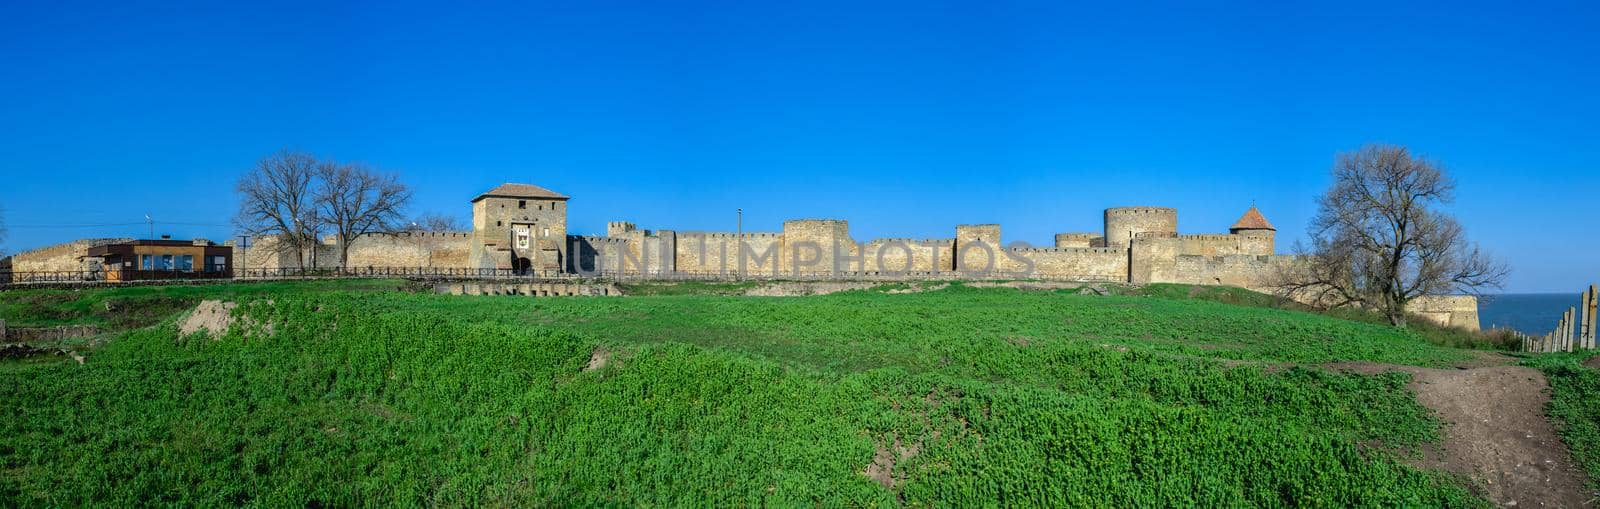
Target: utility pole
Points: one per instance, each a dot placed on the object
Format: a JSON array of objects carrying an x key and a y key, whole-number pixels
[
  {"x": 244, "y": 242},
  {"x": 738, "y": 240},
  {"x": 152, "y": 224}
]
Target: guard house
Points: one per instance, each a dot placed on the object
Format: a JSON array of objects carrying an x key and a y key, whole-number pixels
[
  {"x": 163, "y": 259},
  {"x": 520, "y": 227}
]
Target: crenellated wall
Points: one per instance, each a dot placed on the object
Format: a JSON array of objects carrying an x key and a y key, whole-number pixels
[
  {"x": 719, "y": 252},
  {"x": 401, "y": 249},
  {"x": 1218, "y": 244},
  {"x": 65, "y": 257},
  {"x": 904, "y": 255},
  {"x": 1076, "y": 263},
  {"x": 1080, "y": 240}
]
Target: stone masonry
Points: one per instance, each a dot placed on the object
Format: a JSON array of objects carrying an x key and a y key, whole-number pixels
[{"x": 522, "y": 229}]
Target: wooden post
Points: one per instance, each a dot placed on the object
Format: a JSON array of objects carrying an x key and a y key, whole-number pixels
[
  {"x": 1583, "y": 321},
  {"x": 1566, "y": 330},
  {"x": 2, "y": 330},
  {"x": 1591, "y": 319},
  {"x": 1561, "y": 333}
]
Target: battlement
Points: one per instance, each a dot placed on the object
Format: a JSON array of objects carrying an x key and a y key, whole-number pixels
[
  {"x": 597, "y": 240},
  {"x": 428, "y": 235},
  {"x": 1082, "y": 250},
  {"x": 619, "y": 228},
  {"x": 916, "y": 242},
  {"x": 1156, "y": 235},
  {"x": 729, "y": 235},
  {"x": 818, "y": 221},
  {"x": 1141, "y": 210}
]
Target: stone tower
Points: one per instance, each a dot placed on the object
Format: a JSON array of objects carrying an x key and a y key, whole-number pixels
[
  {"x": 1125, "y": 223},
  {"x": 520, "y": 227},
  {"x": 1258, "y": 235}
]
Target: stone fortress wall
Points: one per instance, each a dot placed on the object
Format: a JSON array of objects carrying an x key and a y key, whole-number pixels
[
  {"x": 523, "y": 228},
  {"x": 399, "y": 249},
  {"x": 65, "y": 257}
]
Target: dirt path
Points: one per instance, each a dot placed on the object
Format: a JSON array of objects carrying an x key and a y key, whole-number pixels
[{"x": 1496, "y": 433}]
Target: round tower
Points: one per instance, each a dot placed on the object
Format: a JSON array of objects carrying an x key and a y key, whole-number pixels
[
  {"x": 1124, "y": 223},
  {"x": 1258, "y": 234}
]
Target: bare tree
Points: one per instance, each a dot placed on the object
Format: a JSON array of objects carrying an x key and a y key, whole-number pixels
[
  {"x": 276, "y": 198},
  {"x": 356, "y": 200},
  {"x": 1379, "y": 241},
  {"x": 432, "y": 222}
]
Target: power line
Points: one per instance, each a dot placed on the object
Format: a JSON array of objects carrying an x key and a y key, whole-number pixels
[{"x": 98, "y": 225}]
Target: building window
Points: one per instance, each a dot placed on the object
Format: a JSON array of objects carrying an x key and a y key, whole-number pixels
[
  {"x": 554, "y": 204},
  {"x": 146, "y": 262},
  {"x": 186, "y": 263},
  {"x": 498, "y": 223},
  {"x": 165, "y": 263},
  {"x": 547, "y": 232},
  {"x": 522, "y": 204}
]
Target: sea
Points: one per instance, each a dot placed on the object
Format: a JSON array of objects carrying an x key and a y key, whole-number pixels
[{"x": 1531, "y": 313}]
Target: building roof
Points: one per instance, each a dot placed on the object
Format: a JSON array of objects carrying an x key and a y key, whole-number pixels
[
  {"x": 510, "y": 190},
  {"x": 1252, "y": 220}
]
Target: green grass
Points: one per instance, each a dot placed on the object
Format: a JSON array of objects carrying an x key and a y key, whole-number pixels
[
  {"x": 688, "y": 287},
  {"x": 1574, "y": 405},
  {"x": 1428, "y": 331},
  {"x": 1007, "y": 397}
]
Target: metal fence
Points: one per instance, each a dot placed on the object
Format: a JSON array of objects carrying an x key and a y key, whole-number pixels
[{"x": 443, "y": 273}]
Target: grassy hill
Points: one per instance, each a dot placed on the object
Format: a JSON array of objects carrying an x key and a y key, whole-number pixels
[{"x": 331, "y": 394}]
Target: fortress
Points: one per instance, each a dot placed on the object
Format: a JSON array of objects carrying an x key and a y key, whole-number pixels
[{"x": 522, "y": 229}]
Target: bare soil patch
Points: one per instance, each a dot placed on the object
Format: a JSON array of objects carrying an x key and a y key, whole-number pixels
[
  {"x": 212, "y": 316},
  {"x": 598, "y": 359},
  {"x": 1593, "y": 362},
  {"x": 886, "y": 458},
  {"x": 1496, "y": 433},
  {"x": 802, "y": 289}
]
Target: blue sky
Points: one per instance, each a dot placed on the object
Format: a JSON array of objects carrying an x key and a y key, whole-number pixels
[{"x": 904, "y": 118}]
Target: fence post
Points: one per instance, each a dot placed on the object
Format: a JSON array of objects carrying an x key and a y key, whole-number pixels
[
  {"x": 1589, "y": 316},
  {"x": 2, "y": 329},
  {"x": 1583, "y": 321},
  {"x": 1566, "y": 330}
]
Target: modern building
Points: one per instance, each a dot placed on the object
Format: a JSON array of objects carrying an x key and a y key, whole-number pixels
[{"x": 161, "y": 259}]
